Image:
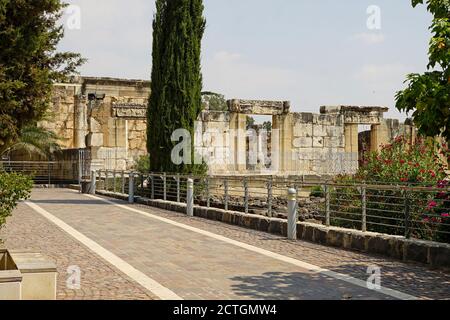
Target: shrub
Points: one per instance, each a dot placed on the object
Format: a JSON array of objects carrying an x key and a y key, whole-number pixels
[
  {"x": 317, "y": 192},
  {"x": 415, "y": 177},
  {"x": 402, "y": 162},
  {"x": 143, "y": 164},
  {"x": 13, "y": 188}
]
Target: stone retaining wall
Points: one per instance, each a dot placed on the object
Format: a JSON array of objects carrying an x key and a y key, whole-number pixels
[{"x": 433, "y": 254}]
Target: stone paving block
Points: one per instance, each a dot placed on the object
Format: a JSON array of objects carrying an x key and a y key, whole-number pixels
[
  {"x": 284, "y": 229},
  {"x": 264, "y": 224},
  {"x": 309, "y": 233},
  {"x": 275, "y": 226},
  {"x": 415, "y": 251},
  {"x": 358, "y": 242},
  {"x": 320, "y": 235},
  {"x": 439, "y": 257},
  {"x": 300, "y": 231},
  {"x": 335, "y": 238},
  {"x": 200, "y": 212},
  {"x": 378, "y": 244},
  {"x": 226, "y": 217},
  {"x": 396, "y": 248},
  {"x": 347, "y": 240}
]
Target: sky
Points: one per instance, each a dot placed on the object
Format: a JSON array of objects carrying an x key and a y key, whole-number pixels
[{"x": 310, "y": 52}]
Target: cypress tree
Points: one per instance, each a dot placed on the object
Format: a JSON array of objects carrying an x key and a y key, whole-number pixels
[{"x": 175, "y": 100}]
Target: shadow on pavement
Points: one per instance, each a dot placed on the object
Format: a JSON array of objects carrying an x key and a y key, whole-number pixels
[{"x": 300, "y": 286}]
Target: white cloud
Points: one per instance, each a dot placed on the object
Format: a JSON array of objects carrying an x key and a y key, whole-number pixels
[
  {"x": 369, "y": 38},
  {"x": 236, "y": 77},
  {"x": 385, "y": 73}
]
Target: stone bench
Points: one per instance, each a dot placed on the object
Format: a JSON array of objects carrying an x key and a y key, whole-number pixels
[{"x": 26, "y": 276}]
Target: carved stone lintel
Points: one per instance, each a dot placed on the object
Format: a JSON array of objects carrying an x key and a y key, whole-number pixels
[
  {"x": 129, "y": 110},
  {"x": 259, "y": 107}
]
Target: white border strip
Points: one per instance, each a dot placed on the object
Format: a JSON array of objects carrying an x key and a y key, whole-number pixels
[
  {"x": 145, "y": 281},
  {"x": 312, "y": 268}
]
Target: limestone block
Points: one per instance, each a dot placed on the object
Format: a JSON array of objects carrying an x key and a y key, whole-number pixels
[
  {"x": 141, "y": 126},
  {"x": 303, "y": 130},
  {"x": 326, "y": 120},
  {"x": 378, "y": 244},
  {"x": 121, "y": 153},
  {"x": 318, "y": 142},
  {"x": 136, "y": 144},
  {"x": 319, "y": 131},
  {"x": 120, "y": 133},
  {"x": 334, "y": 142},
  {"x": 334, "y": 131},
  {"x": 303, "y": 142},
  {"x": 316, "y": 119},
  {"x": 415, "y": 250},
  {"x": 121, "y": 164},
  {"x": 95, "y": 140},
  {"x": 440, "y": 256},
  {"x": 139, "y": 135},
  {"x": 10, "y": 285},
  {"x": 306, "y": 153},
  {"x": 95, "y": 126},
  {"x": 214, "y": 116}
]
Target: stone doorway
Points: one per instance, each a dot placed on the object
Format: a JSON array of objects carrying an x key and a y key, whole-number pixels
[
  {"x": 258, "y": 143},
  {"x": 364, "y": 142}
]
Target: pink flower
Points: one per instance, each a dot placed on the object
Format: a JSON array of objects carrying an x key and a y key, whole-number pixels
[
  {"x": 442, "y": 184},
  {"x": 442, "y": 195},
  {"x": 445, "y": 215},
  {"x": 432, "y": 205}
]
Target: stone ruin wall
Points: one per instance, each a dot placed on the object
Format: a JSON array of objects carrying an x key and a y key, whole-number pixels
[
  {"x": 105, "y": 116},
  {"x": 108, "y": 118},
  {"x": 306, "y": 143}
]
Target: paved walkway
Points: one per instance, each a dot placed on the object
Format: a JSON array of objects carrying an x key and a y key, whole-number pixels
[{"x": 139, "y": 252}]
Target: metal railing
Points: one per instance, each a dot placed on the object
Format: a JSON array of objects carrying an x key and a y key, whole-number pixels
[
  {"x": 418, "y": 211},
  {"x": 45, "y": 172}
]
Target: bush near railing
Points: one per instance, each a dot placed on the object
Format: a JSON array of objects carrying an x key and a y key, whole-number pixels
[
  {"x": 414, "y": 211},
  {"x": 411, "y": 196},
  {"x": 13, "y": 188}
]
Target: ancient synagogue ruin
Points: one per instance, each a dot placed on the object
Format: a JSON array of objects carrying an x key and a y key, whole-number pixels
[{"x": 107, "y": 118}]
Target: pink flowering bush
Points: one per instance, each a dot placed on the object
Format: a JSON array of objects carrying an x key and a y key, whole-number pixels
[
  {"x": 401, "y": 162},
  {"x": 417, "y": 177}
]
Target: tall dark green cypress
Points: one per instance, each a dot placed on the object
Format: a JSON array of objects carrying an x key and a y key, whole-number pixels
[{"x": 175, "y": 100}]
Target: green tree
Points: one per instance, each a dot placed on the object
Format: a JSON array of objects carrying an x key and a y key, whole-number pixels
[
  {"x": 29, "y": 62},
  {"x": 251, "y": 122},
  {"x": 143, "y": 164},
  {"x": 428, "y": 94},
  {"x": 267, "y": 125},
  {"x": 215, "y": 101},
  {"x": 175, "y": 100}
]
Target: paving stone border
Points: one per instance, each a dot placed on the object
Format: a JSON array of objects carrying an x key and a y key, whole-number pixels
[{"x": 433, "y": 254}]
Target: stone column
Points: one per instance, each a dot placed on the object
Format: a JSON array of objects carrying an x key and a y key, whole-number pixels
[
  {"x": 238, "y": 143},
  {"x": 80, "y": 128},
  {"x": 379, "y": 135},
  {"x": 283, "y": 123},
  {"x": 262, "y": 149},
  {"x": 350, "y": 163}
]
